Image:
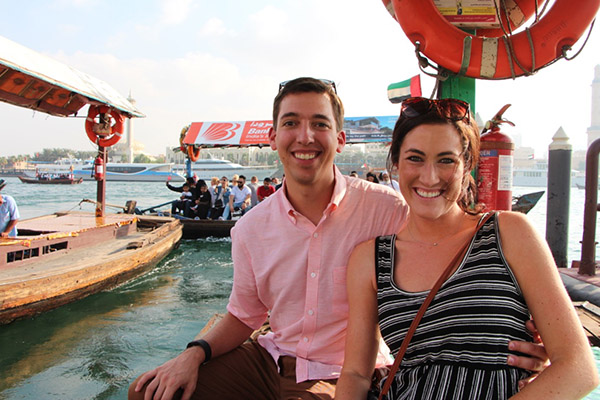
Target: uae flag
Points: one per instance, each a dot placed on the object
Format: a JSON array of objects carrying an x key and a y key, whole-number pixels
[{"x": 405, "y": 89}]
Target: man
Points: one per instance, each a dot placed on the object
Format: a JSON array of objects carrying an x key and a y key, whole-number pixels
[
  {"x": 253, "y": 185},
  {"x": 385, "y": 180},
  {"x": 295, "y": 271},
  {"x": 239, "y": 198},
  {"x": 9, "y": 214},
  {"x": 265, "y": 190}
]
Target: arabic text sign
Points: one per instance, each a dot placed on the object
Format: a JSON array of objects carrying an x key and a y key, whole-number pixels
[{"x": 229, "y": 133}]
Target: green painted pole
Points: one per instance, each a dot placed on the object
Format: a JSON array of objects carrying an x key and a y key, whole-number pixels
[{"x": 459, "y": 87}]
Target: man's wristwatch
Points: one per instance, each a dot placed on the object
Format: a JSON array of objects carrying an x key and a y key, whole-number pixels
[{"x": 205, "y": 346}]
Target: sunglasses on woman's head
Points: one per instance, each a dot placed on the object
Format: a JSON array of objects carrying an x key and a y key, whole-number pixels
[{"x": 451, "y": 109}]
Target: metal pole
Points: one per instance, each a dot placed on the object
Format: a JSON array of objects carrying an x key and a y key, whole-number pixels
[
  {"x": 588, "y": 243},
  {"x": 559, "y": 192},
  {"x": 101, "y": 191}
]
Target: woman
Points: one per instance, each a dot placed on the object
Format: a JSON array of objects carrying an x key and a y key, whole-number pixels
[
  {"x": 371, "y": 177},
  {"x": 460, "y": 348}
]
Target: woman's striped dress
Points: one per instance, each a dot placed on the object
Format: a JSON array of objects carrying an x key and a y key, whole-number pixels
[{"x": 460, "y": 348}]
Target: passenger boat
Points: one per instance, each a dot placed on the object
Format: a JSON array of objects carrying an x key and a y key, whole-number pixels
[
  {"x": 208, "y": 168},
  {"x": 59, "y": 258},
  {"x": 63, "y": 257},
  {"x": 51, "y": 180},
  {"x": 537, "y": 176},
  {"x": 202, "y": 228},
  {"x": 194, "y": 228},
  {"x": 133, "y": 172}
]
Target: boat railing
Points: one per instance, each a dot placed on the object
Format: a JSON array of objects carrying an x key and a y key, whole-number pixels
[
  {"x": 153, "y": 208},
  {"x": 587, "y": 265}
]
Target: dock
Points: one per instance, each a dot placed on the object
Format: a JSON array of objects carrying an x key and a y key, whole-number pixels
[{"x": 584, "y": 291}]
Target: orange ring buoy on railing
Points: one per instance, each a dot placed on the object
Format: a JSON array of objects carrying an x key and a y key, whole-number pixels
[
  {"x": 518, "y": 12},
  {"x": 489, "y": 58},
  {"x": 92, "y": 127},
  {"x": 193, "y": 152}
]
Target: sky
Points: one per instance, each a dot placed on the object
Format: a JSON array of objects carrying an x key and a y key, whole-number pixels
[{"x": 196, "y": 60}]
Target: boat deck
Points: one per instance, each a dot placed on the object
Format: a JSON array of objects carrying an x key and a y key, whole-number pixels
[
  {"x": 41, "y": 237},
  {"x": 584, "y": 291},
  {"x": 69, "y": 260},
  {"x": 73, "y": 222}
]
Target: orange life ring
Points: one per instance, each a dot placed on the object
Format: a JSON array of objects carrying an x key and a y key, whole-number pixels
[
  {"x": 519, "y": 11},
  {"x": 193, "y": 152},
  {"x": 488, "y": 58},
  {"x": 116, "y": 130}
]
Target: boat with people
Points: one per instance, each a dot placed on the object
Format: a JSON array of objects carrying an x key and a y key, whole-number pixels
[
  {"x": 51, "y": 180},
  {"x": 59, "y": 258}
]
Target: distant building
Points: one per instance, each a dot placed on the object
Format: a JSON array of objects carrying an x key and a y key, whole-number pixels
[{"x": 593, "y": 131}]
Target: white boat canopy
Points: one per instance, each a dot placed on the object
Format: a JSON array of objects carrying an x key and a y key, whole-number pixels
[
  {"x": 32, "y": 80},
  {"x": 256, "y": 133}
]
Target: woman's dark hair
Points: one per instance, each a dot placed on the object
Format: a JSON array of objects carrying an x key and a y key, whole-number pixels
[
  {"x": 469, "y": 137},
  {"x": 372, "y": 175}
]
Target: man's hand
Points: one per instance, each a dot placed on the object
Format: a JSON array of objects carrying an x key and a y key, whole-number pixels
[
  {"x": 178, "y": 373},
  {"x": 537, "y": 360}
]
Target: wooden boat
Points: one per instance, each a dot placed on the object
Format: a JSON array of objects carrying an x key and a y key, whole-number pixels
[
  {"x": 526, "y": 202},
  {"x": 201, "y": 228},
  {"x": 194, "y": 228},
  {"x": 60, "y": 258},
  {"x": 51, "y": 181}
]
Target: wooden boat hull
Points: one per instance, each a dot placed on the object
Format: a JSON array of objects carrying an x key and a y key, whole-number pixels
[
  {"x": 201, "y": 228},
  {"x": 56, "y": 268},
  {"x": 55, "y": 181}
]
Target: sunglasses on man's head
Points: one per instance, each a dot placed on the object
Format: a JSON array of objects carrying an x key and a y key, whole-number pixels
[
  {"x": 325, "y": 81},
  {"x": 451, "y": 109}
]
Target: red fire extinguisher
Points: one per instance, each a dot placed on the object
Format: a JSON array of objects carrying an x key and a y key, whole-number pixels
[
  {"x": 494, "y": 174},
  {"x": 99, "y": 168}
]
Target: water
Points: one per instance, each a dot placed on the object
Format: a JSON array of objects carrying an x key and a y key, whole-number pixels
[{"x": 93, "y": 348}]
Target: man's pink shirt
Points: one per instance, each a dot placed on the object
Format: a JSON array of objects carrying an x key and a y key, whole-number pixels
[{"x": 295, "y": 272}]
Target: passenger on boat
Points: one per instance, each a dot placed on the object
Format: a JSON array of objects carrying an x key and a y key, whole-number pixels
[
  {"x": 214, "y": 182},
  {"x": 371, "y": 177},
  {"x": 222, "y": 193},
  {"x": 202, "y": 204},
  {"x": 234, "y": 181},
  {"x": 275, "y": 182},
  {"x": 506, "y": 274},
  {"x": 184, "y": 203},
  {"x": 239, "y": 199},
  {"x": 354, "y": 174},
  {"x": 278, "y": 185},
  {"x": 293, "y": 271},
  {"x": 265, "y": 190},
  {"x": 387, "y": 181},
  {"x": 9, "y": 214},
  {"x": 253, "y": 185}
]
